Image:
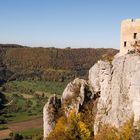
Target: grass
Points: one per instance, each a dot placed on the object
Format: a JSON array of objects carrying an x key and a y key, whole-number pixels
[
  {"x": 3, "y": 127},
  {"x": 23, "y": 108},
  {"x": 25, "y": 104},
  {"x": 20, "y": 102},
  {"x": 21, "y": 116},
  {"x": 49, "y": 87},
  {"x": 31, "y": 132}
]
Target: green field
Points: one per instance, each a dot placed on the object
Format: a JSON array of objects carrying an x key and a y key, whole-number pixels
[
  {"x": 30, "y": 87},
  {"x": 25, "y": 101},
  {"x": 31, "y": 132}
]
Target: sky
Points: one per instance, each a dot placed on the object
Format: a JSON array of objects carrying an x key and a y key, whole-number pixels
[{"x": 65, "y": 23}]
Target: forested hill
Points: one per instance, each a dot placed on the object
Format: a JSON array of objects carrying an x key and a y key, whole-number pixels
[
  {"x": 24, "y": 63},
  {"x": 11, "y": 46}
]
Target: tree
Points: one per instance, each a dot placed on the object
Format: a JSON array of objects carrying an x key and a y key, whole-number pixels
[{"x": 71, "y": 128}]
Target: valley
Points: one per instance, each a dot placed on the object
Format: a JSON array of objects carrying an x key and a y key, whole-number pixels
[{"x": 29, "y": 76}]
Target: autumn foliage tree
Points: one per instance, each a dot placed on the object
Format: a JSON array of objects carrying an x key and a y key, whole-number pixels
[
  {"x": 48, "y": 63},
  {"x": 71, "y": 128},
  {"x": 125, "y": 132}
]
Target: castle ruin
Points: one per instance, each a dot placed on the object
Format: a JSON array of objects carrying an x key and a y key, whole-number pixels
[{"x": 130, "y": 36}]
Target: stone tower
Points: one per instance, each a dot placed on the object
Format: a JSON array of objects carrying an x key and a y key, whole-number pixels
[{"x": 130, "y": 35}]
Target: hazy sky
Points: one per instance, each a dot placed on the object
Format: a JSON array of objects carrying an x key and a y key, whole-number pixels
[{"x": 65, "y": 23}]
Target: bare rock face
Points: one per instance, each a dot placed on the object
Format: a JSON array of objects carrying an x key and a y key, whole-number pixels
[
  {"x": 50, "y": 113},
  {"x": 74, "y": 95},
  {"x": 119, "y": 87}
]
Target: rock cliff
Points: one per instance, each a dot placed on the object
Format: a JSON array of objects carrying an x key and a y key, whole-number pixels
[
  {"x": 74, "y": 95},
  {"x": 114, "y": 89},
  {"x": 119, "y": 86},
  {"x": 50, "y": 113}
]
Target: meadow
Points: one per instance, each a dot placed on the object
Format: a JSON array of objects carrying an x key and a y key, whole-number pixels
[{"x": 24, "y": 101}]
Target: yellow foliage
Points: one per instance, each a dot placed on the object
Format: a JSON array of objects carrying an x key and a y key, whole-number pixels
[
  {"x": 78, "y": 126},
  {"x": 78, "y": 129},
  {"x": 71, "y": 128},
  {"x": 60, "y": 130},
  {"x": 60, "y": 125},
  {"x": 107, "y": 133},
  {"x": 84, "y": 131},
  {"x": 111, "y": 133},
  {"x": 126, "y": 130}
]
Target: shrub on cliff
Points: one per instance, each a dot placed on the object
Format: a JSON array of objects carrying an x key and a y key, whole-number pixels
[
  {"x": 107, "y": 132},
  {"x": 71, "y": 128},
  {"x": 77, "y": 127}
]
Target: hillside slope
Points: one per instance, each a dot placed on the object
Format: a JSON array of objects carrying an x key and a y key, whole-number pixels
[{"x": 23, "y": 63}]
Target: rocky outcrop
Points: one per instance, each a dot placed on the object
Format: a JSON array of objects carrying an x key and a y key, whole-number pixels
[
  {"x": 116, "y": 86},
  {"x": 119, "y": 88},
  {"x": 74, "y": 95},
  {"x": 50, "y": 114},
  {"x": 100, "y": 79}
]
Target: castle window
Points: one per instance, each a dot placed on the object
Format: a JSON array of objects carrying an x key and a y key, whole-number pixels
[
  {"x": 135, "y": 35},
  {"x": 125, "y": 43}
]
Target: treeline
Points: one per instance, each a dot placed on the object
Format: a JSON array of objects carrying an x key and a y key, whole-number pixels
[{"x": 11, "y": 46}]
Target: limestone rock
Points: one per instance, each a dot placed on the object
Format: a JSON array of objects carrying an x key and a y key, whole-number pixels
[
  {"x": 74, "y": 95},
  {"x": 119, "y": 88},
  {"x": 50, "y": 113}
]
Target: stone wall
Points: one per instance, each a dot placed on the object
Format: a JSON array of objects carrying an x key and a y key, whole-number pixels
[{"x": 130, "y": 34}]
